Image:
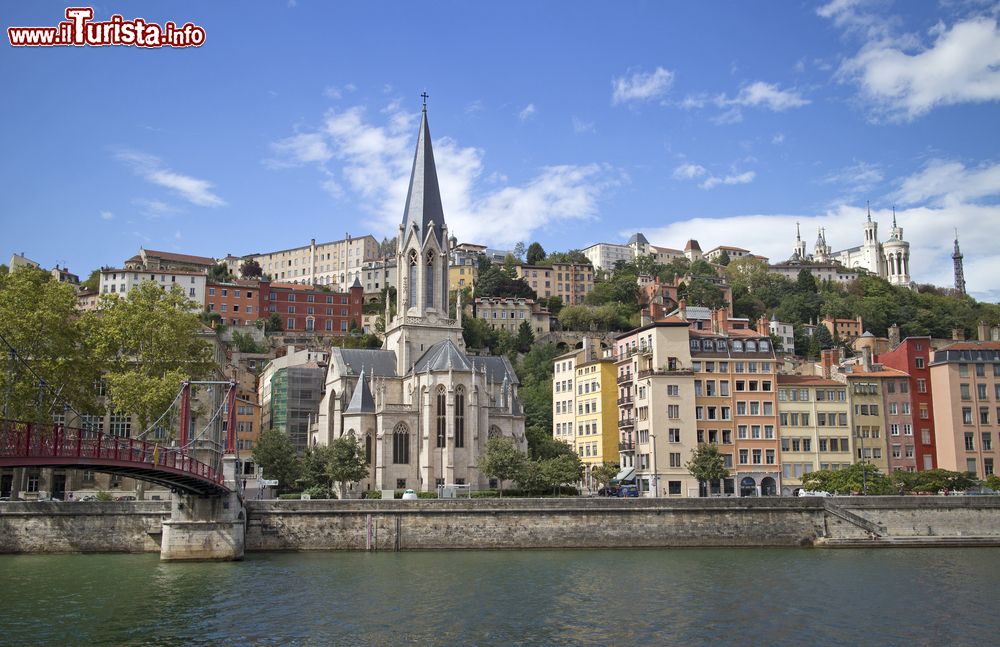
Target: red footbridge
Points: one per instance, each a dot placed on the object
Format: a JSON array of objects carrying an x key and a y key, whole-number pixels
[{"x": 24, "y": 444}]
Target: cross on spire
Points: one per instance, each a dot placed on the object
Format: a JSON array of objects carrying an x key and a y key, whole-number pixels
[{"x": 424, "y": 96}]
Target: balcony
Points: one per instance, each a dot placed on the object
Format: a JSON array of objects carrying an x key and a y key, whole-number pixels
[
  {"x": 626, "y": 446},
  {"x": 626, "y": 423},
  {"x": 625, "y": 379},
  {"x": 663, "y": 371},
  {"x": 625, "y": 400}
]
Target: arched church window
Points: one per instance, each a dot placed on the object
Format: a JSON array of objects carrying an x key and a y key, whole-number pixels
[
  {"x": 401, "y": 444},
  {"x": 460, "y": 417},
  {"x": 429, "y": 280},
  {"x": 412, "y": 285},
  {"x": 494, "y": 432},
  {"x": 441, "y": 417},
  {"x": 368, "y": 449}
]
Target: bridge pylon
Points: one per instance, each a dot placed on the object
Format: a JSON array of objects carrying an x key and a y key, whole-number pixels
[{"x": 207, "y": 527}]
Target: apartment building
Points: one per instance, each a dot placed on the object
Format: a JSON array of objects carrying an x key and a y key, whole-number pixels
[
  {"x": 965, "y": 381},
  {"x": 813, "y": 414},
  {"x": 150, "y": 259},
  {"x": 239, "y": 303},
  {"x": 603, "y": 256},
  {"x": 507, "y": 313},
  {"x": 734, "y": 253},
  {"x": 121, "y": 281},
  {"x": 746, "y": 360},
  {"x": 865, "y": 393},
  {"x": 378, "y": 275},
  {"x": 302, "y": 308},
  {"x": 570, "y": 282},
  {"x": 899, "y": 427},
  {"x": 463, "y": 265},
  {"x": 844, "y": 329},
  {"x": 658, "y": 430},
  {"x": 913, "y": 356},
  {"x": 336, "y": 264},
  {"x": 289, "y": 391}
]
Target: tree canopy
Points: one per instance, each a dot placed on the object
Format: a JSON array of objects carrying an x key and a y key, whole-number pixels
[{"x": 502, "y": 460}]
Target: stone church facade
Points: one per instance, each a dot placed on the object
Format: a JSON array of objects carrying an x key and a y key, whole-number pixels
[{"x": 421, "y": 408}]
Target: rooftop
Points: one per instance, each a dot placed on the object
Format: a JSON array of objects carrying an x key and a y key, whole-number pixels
[{"x": 180, "y": 258}]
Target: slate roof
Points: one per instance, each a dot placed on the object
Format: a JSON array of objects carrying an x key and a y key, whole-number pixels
[
  {"x": 374, "y": 362},
  {"x": 423, "y": 198},
  {"x": 496, "y": 368},
  {"x": 443, "y": 356},
  {"x": 362, "y": 400}
]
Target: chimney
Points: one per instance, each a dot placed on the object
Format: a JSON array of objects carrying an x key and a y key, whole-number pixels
[
  {"x": 682, "y": 309},
  {"x": 866, "y": 359},
  {"x": 826, "y": 363},
  {"x": 714, "y": 314},
  {"x": 656, "y": 311},
  {"x": 646, "y": 317},
  {"x": 894, "y": 335},
  {"x": 958, "y": 334},
  {"x": 587, "y": 351},
  {"x": 723, "y": 320},
  {"x": 983, "y": 330}
]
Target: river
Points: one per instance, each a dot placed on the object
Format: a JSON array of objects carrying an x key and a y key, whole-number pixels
[{"x": 800, "y": 597}]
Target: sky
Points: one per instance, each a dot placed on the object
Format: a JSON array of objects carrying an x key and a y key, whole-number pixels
[{"x": 566, "y": 123}]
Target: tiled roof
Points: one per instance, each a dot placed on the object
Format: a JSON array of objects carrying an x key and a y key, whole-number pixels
[
  {"x": 181, "y": 258},
  {"x": 972, "y": 345},
  {"x": 806, "y": 380}
]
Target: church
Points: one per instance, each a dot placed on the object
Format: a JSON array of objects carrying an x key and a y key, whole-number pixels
[
  {"x": 889, "y": 260},
  {"x": 421, "y": 407}
]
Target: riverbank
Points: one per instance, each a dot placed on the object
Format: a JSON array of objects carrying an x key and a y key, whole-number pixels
[{"x": 426, "y": 524}]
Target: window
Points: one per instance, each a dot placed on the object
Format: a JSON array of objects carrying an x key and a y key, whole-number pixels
[
  {"x": 966, "y": 415},
  {"x": 459, "y": 417},
  {"x": 675, "y": 459},
  {"x": 744, "y": 456},
  {"x": 440, "y": 419},
  {"x": 987, "y": 442},
  {"x": 918, "y": 362},
  {"x": 970, "y": 443},
  {"x": 673, "y": 390},
  {"x": 673, "y": 411},
  {"x": 401, "y": 446},
  {"x": 674, "y": 435}
]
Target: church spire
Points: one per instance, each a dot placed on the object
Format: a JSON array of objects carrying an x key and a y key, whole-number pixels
[
  {"x": 956, "y": 257},
  {"x": 423, "y": 198}
]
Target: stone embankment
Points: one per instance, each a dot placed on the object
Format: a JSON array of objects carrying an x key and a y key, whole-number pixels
[{"x": 523, "y": 523}]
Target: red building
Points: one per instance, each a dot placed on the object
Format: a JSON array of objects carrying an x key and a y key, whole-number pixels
[
  {"x": 912, "y": 356},
  {"x": 302, "y": 308}
]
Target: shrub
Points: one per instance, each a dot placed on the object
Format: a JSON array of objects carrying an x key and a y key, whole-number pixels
[
  {"x": 319, "y": 492},
  {"x": 291, "y": 495},
  {"x": 104, "y": 496},
  {"x": 373, "y": 494},
  {"x": 427, "y": 495}
]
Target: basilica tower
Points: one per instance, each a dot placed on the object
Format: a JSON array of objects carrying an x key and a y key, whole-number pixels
[{"x": 896, "y": 256}]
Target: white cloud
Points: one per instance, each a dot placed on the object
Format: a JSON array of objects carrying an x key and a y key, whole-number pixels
[
  {"x": 902, "y": 79},
  {"x": 731, "y": 116},
  {"x": 856, "y": 16},
  {"x": 858, "y": 179},
  {"x": 333, "y": 92},
  {"x": 779, "y": 138},
  {"x": 153, "y": 209},
  {"x": 765, "y": 95},
  {"x": 641, "y": 86},
  {"x": 373, "y": 163},
  {"x": 300, "y": 149},
  {"x": 474, "y": 107},
  {"x": 694, "y": 101},
  {"x": 194, "y": 190},
  {"x": 949, "y": 182},
  {"x": 527, "y": 113},
  {"x": 581, "y": 127},
  {"x": 107, "y": 215},
  {"x": 741, "y": 178},
  {"x": 689, "y": 171}
]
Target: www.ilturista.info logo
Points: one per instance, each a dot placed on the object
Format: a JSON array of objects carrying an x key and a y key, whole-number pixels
[{"x": 79, "y": 30}]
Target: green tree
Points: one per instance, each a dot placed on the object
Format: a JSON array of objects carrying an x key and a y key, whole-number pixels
[
  {"x": 93, "y": 281},
  {"x": 701, "y": 292},
  {"x": 245, "y": 343},
  {"x": 150, "y": 343},
  {"x": 219, "y": 273},
  {"x": 272, "y": 323},
  {"x": 603, "y": 473},
  {"x": 525, "y": 337},
  {"x": 502, "y": 460},
  {"x": 251, "y": 269},
  {"x": 723, "y": 259},
  {"x": 38, "y": 318},
  {"x": 535, "y": 254},
  {"x": 518, "y": 251},
  {"x": 860, "y": 477},
  {"x": 346, "y": 464},
  {"x": 821, "y": 340},
  {"x": 993, "y": 482},
  {"x": 275, "y": 454},
  {"x": 707, "y": 464},
  {"x": 937, "y": 480},
  {"x": 565, "y": 469}
]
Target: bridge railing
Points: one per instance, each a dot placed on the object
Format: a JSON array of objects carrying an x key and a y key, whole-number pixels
[{"x": 32, "y": 440}]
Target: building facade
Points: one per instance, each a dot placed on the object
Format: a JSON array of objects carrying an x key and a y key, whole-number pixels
[
  {"x": 335, "y": 264},
  {"x": 507, "y": 313},
  {"x": 121, "y": 281},
  {"x": 913, "y": 356},
  {"x": 289, "y": 391},
  {"x": 570, "y": 282},
  {"x": 813, "y": 414}
]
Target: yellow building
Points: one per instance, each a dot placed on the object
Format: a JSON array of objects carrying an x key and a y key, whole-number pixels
[
  {"x": 463, "y": 276},
  {"x": 584, "y": 409},
  {"x": 813, "y": 414}
]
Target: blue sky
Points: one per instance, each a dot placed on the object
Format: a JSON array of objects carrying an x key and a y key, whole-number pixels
[{"x": 566, "y": 123}]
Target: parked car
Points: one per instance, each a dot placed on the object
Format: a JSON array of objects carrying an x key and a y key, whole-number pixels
[
  {"x": 813, "y": 493},
  {"x": 609, "y": 490},
  {"x": 409, "y": 494},
  {"x": 628, "y": 491},
  {"x": 127, "y": 497}
]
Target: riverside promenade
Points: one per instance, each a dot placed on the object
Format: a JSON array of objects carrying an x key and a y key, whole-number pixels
[{"x": 428, "y": 524}]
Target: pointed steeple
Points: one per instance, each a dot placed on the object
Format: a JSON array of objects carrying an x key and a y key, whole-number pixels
[
  {"x": 956, "y": 258},
  {"x": 362, "y": 400},
  {"x": 798, "y": 234},
  {"x": 893, "y": 216},
  {"x": 869, "y": 203},
  {"x": 423, "y": 198}
]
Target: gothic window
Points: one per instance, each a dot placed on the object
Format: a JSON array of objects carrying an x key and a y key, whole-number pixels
[
  {"x": 401, "y": 444},
  {"x": 459, "y": 417},
  {"x": 429, "y": 280},
  {"x": 413, "y": 279},
  {"x": 368, "y": 449},
  {"x": 441, "y": 419},
  {"x": 494, "y": 432}
]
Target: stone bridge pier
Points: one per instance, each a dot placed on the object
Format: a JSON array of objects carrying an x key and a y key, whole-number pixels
[{"x": 206, "y": 527}]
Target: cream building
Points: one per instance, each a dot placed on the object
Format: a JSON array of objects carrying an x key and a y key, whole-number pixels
[
  {"x": 507, "y": 313},
  {"x": 421, "y": 407},
  {"x": 568, "y": 281},
  {"x": 119, "y": 281},
  {"x": 336, "y": 263},
  {"x": 813, "y": 414},
  {"x": 657, "y": 425}
]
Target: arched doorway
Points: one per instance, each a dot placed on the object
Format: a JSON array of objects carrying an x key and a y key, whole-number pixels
[
  {"x": 768, "y": 487},
  {"x": 748, "y": 487}
]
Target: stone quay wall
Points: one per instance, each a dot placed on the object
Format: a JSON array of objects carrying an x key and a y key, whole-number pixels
[{"x": 428, "y": 524}]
